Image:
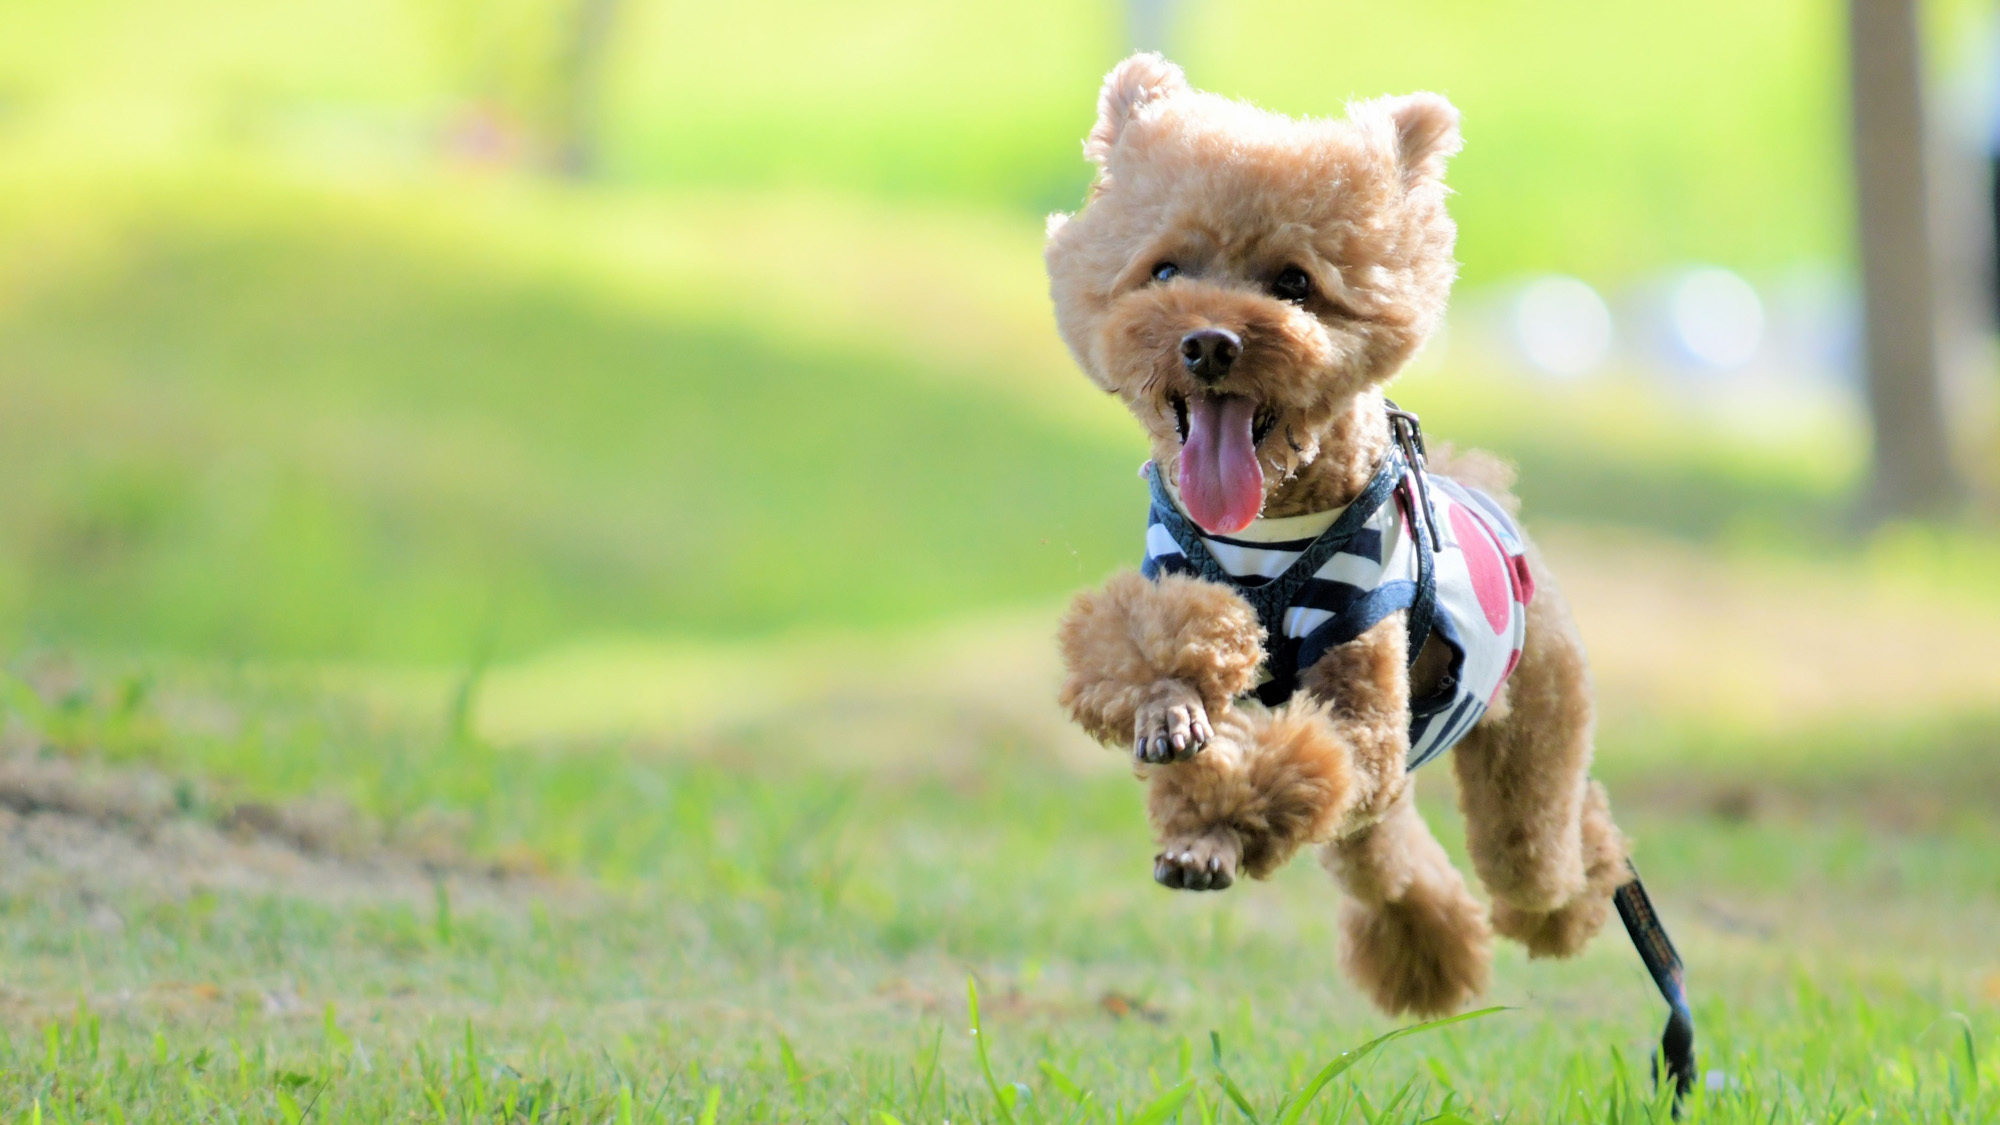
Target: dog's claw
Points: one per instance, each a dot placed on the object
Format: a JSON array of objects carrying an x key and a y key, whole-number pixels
[
  {"x": 1218, "y": 878},
  {"x": 1196, "y": 875},
  {"x": 1171, "y": 728},
  {"x": 1201, "y": 863}
]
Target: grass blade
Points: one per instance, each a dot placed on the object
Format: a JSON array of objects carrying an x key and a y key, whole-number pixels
[
  {"x": 930, "y": 1071},
  {"x": 795, "y": 1075},
  {"x": 1971, "y": 1052},
  {"x": 1296, "y": 1109},
  {"x": 1001, "y": 1101},
  {"x": 1062, "y": 1081},
  {"x": 1402, "y": 1095},
  {"x": 1166, "y": 1105},
  {"x": 1228, "y": 1084}
]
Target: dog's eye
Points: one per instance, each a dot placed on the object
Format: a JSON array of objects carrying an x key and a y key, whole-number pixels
[
  {"x": 1166, "y": 271},
  {"x": 1292, "y": 284}
]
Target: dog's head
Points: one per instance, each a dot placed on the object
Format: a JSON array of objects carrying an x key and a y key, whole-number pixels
[{"x": 1237, "y": 276}]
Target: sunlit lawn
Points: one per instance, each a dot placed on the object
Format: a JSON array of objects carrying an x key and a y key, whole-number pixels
[{"x": 674, "y": 924}]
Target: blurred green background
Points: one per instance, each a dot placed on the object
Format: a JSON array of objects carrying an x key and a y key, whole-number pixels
[
  {"x": 299, "y": 295},
  {"x": 622, "y": 447}
]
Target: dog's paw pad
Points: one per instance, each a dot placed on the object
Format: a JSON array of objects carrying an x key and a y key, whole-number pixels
[
  {"x": 1200, "y": 863},
  {"x": 1172, "y": 726}
]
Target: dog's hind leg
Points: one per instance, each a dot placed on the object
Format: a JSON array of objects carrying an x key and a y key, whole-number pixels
[
  {"x": 1415, "y": 938},
  {"x": 1539, "y": 831}
]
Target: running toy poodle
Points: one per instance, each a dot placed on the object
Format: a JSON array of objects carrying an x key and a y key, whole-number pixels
[{"x": 1319, "y": 612}]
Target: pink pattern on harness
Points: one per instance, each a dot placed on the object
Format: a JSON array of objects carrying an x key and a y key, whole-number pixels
[{"x": 1492, "y": 579}]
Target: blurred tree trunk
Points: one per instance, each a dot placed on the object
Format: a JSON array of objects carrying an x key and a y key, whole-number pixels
[
  {"x": 579, "y": 78},
  {"x": 1913, "y": 473}
]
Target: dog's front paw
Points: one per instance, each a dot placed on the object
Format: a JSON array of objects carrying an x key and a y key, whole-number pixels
[
  {"x": 1200, "y": 863},
  {"x": 1171, "y": 726}
]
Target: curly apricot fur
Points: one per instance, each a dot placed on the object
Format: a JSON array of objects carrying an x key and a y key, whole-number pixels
[
  {"x": 1231, "y": 194},
  {"x": 1118, "y": 643}
]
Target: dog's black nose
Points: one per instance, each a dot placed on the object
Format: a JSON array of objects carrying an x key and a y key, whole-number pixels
[{"x": 1208, "y": 352}]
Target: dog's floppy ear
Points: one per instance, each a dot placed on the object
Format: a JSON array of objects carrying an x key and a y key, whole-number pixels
[
  {"x": 1131, "y": 86},
  {"x": 1426, "y": 134}
]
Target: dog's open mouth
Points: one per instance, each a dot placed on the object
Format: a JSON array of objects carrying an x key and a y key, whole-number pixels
[
  {"x": 1262, "y": 424},
  {"x": 1221, "y": 482}
]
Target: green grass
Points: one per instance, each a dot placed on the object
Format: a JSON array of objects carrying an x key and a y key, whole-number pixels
[{"x": 797, "y": 939}]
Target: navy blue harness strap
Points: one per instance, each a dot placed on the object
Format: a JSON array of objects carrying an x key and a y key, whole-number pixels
[{"x": 1272, "y": 598}]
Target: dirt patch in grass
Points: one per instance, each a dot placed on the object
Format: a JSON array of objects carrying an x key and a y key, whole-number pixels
[{"x": 96, "y": 830}]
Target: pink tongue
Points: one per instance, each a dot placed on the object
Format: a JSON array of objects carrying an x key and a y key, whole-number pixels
[{"x": 1221, "y": 482}]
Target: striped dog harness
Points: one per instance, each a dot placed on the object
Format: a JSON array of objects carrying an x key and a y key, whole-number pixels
[{"x": 1446, "y": 553}]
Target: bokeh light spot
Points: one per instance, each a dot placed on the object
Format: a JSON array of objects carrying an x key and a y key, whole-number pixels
[
  {"x": 1562, "y": 326},
  {"x": 1717, "y": 317}
]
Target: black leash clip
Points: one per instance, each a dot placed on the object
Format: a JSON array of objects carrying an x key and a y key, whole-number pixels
[{"x": 1408, "y": 434}]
